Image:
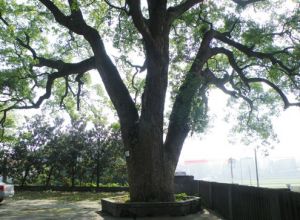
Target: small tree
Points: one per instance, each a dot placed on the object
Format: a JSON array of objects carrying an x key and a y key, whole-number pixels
[{"x": 26, "y": 160}]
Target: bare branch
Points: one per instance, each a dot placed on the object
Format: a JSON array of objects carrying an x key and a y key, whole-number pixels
[
  {"x": 138, "y": 69},
  {"x": 80, "y": 83},
  {"x": 66, "y": 91},
  {"x": 116, "y": 7}
]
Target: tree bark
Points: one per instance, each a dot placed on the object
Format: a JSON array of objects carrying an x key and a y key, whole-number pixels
[
  {"x": 98, "y": 170},
  {"x": 23, "y": 180},
  {"x": 150, "y": 173},
  {"x": 48, "y": 180},
  {"x": 149, "y": 167}
]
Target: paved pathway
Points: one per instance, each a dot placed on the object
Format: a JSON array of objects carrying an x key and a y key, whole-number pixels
[{"x": 59, "y": 210}]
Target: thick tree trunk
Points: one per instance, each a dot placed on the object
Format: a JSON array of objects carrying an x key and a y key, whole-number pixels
[
  {"x": 150, "y": 173},
  {"x": 151, "y": 170}
]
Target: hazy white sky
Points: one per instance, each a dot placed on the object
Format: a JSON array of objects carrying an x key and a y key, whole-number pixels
[{"x": 215, "y": 144}]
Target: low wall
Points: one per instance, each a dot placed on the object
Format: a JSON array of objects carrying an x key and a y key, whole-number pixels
[
  {"x": 238, "y": 202},
  {"x": 185, "y": 184},
  {"x": 233, "y": 202}
]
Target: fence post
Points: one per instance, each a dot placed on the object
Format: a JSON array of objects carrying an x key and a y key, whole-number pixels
[
  {"x": 210, "y": 198},
  {"x": 274, "y": 205},
  {"x": 230, "y": 201},
  {"x": 195, "y": 187}
]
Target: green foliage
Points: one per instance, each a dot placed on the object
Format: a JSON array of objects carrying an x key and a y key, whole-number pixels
[
  {"x": 254, "y": 126},
  {"x": 180, "y": 197},
  {"x": 199, "y": 117},
  {"x": 22, "y": 81},
  {"x": 49, "y": 153}
]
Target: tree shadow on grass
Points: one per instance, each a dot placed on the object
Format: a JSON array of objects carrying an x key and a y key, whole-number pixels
[{"x": 48, "y": 209}]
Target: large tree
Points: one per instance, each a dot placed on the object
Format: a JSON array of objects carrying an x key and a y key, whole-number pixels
[{"x": 192, "y": 45}]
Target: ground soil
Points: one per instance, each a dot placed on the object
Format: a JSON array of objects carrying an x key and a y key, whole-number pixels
[{"x": 63, "y": 210}]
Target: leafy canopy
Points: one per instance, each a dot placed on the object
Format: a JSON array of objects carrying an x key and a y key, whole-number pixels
[{"x": 254, "y": 53}]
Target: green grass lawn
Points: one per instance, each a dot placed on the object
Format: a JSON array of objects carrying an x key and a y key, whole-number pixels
[
  {"x": 76, "y": 196},
  {"x": 64, "y": 196},
  {"x": 279, "y": 183},
  {"x": 272, "y": 182}
]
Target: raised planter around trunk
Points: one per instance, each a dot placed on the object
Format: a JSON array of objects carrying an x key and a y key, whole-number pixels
[{"x": 114, "y": 207}]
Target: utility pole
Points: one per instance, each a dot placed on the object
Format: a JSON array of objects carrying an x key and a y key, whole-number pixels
[
  {"x": 241, "y": 171},
  {"x": 256, "y": 169},
  {"x": 249, "y": 171}
]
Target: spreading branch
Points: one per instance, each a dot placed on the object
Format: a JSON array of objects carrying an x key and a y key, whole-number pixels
[
  {"x": 73, "y": 22},
  {"x": 284, "y": 98},
  {"x": 195, "y": 79},
  {"x": 236, "y": 93},
  {"x": 71, "y": 68},
  {"x": 251, "y": 53},
  {"x": 233, "y": 63},
  {"x": 259, "y": 55},
  {"x": 66, "y": 91},
  {"x": 246, "y": 80},
  {"x": 138, "y": 19},
  {"x": 110, "y": 75},
  {"x": 64, "y": 70},
  {"x": 177, "y": 11},
  {"x": 117, "y": 7},
  {"x": 138, "y": 69},
  {"x": 80, "y": 83}
]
